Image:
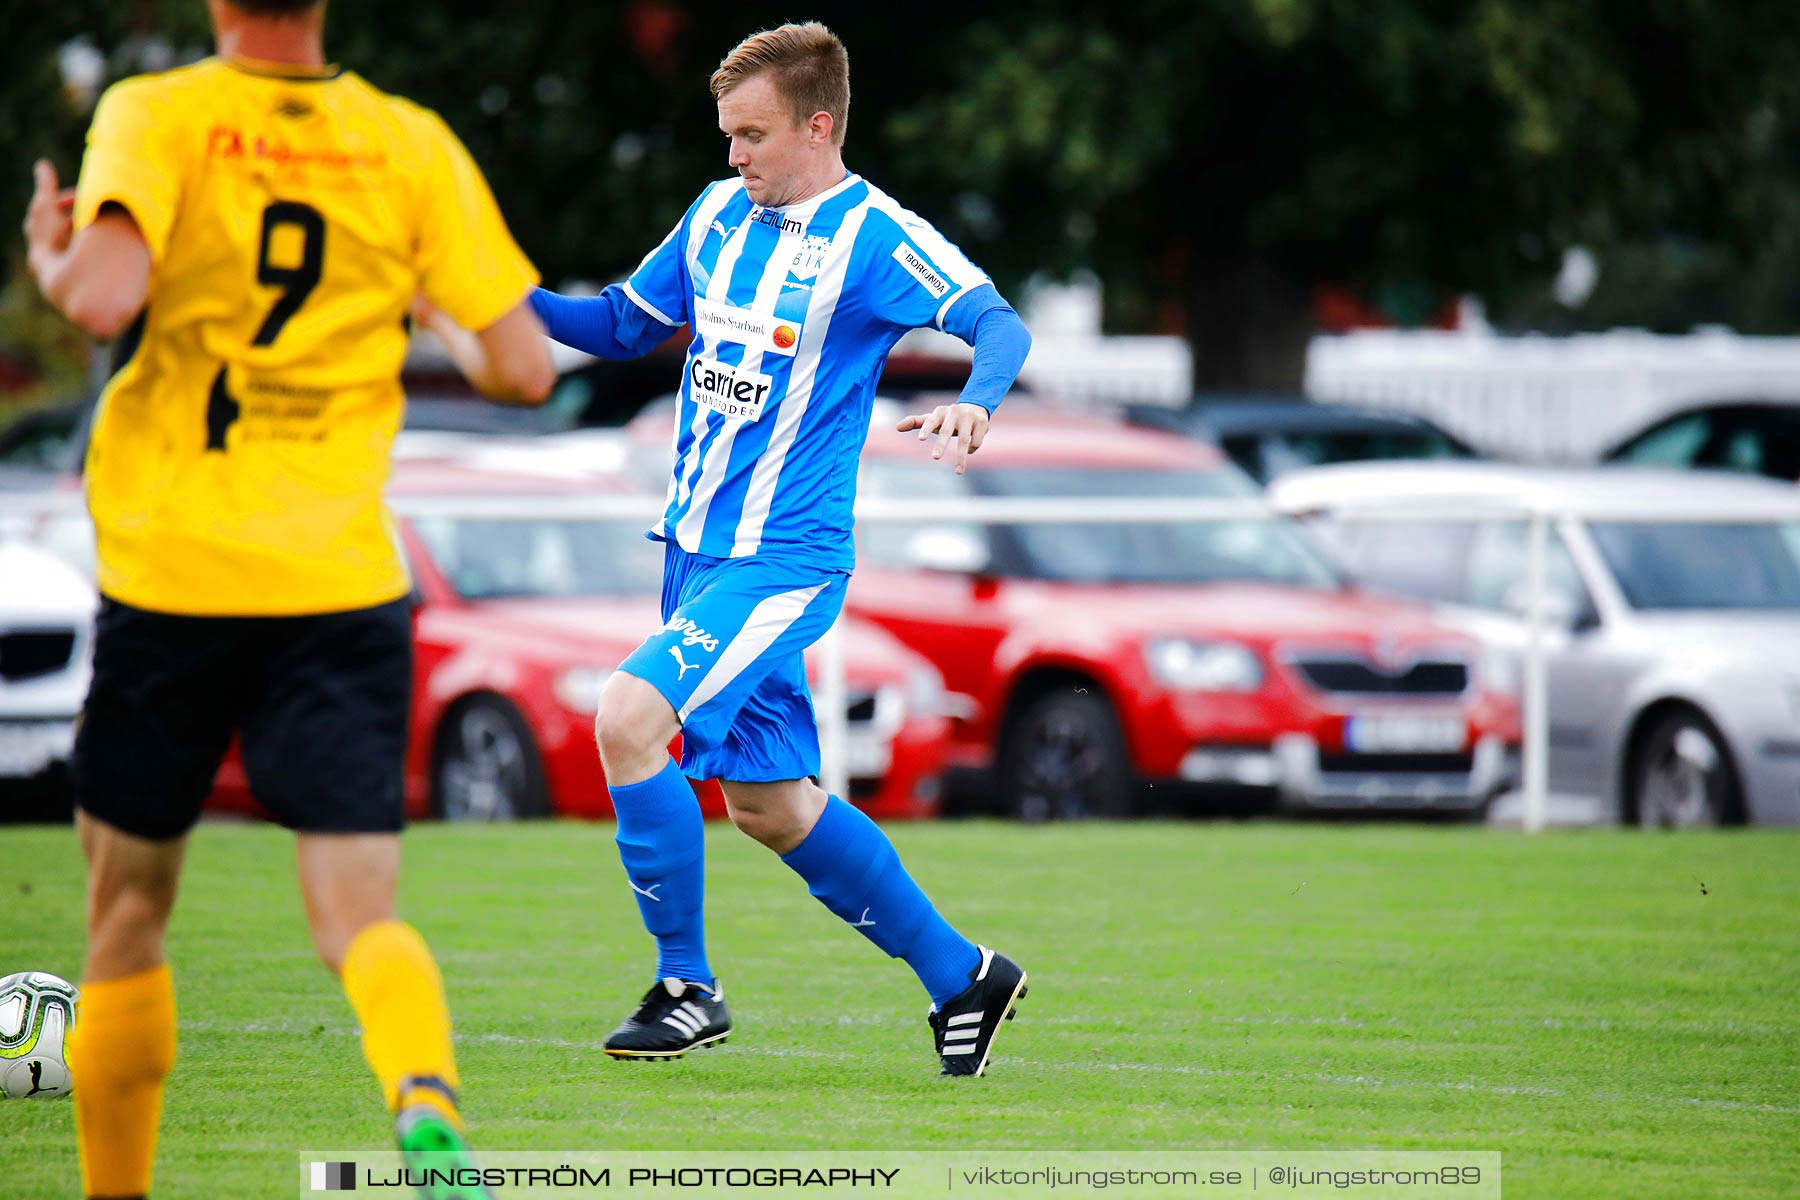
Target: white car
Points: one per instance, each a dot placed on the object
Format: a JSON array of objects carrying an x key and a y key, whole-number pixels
[
  {"x": 1674, "y": 604},
  {"x": 46, "y": 646}
]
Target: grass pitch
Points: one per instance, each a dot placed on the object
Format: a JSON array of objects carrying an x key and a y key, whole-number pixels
[{"x": 1615, "y": 1013}]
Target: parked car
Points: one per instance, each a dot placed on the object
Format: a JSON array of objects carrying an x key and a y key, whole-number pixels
[
  {"x": 1760, "y": 437},
  {"x": 47, "y": 441},
  {"x": 1269, "y": 436},
  {"x": 1230, "y": 656},
  {"x": 520, "y": 619},
  {"x": 1673, "y": 688},
  {"x": 46, "y": 634}
]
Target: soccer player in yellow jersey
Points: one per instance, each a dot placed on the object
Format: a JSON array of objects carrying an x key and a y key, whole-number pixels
[{"x": 258, "y": 226}]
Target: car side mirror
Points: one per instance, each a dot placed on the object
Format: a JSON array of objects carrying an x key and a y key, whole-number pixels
[{"x": 957, "y": 549}]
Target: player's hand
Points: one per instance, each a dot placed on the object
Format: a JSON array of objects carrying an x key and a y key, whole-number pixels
[
  {"x": 49, "y": 222},
  {"x": 425, "y": 313},
  {"x": 961, "y": 425}
]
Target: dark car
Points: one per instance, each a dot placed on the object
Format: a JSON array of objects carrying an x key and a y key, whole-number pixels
[
  {"x": 1270, "y": 435},
  {"x": 1759, "y": 437},
  {"x": 44, "y": 444}
]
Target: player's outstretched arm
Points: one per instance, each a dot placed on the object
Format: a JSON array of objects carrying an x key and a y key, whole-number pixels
[
  {"x": 98, "y": 278},
  {"x": 1001, "y": 344},
  {"x": 611, "y": 325},
  {"x": 508, "y": 362}
]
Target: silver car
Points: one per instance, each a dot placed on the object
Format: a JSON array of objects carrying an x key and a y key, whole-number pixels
[
  {"x": 1674, "y": 604},
  {"x": 46, "y": 635}
]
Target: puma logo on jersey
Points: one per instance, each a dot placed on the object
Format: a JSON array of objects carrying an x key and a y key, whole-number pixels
[
  {"x": 724, "y": 231},
  {"x": 685, "y": 665}
]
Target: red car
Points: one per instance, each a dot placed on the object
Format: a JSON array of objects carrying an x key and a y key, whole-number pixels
[
  {"x": 520, "y": 620},
  {"x": 1231, "y": 656}
]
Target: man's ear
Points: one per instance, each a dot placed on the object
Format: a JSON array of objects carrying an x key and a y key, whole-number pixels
[{"x": 820, "y": 128}]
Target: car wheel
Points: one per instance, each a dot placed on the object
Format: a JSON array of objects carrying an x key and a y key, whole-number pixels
[
  {"x": 1064, "y": 758},
  {"x": 1683, "y": 777},
  {"x": 487, "y": 766}
]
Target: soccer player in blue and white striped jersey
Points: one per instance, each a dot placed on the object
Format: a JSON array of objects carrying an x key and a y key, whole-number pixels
[{"x": 796, "y": 279}]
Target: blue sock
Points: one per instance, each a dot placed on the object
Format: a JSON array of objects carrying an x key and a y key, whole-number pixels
[
  {"x": 662, "y": 841},
  {"x": 853, "y": 870}
]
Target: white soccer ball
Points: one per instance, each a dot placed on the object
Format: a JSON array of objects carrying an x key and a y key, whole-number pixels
[{"x": 37, "y": 1010}]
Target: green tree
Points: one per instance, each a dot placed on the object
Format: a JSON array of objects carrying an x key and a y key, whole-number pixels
[
  {"x": 1221, "y": 159},
  {"x": 1213, "y": 160}
]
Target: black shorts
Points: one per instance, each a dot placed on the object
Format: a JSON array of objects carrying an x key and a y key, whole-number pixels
[{"x": 321, "y": 703}]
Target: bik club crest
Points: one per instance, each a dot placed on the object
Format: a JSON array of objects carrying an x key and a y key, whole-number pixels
[{"x": 810, "y": 256}]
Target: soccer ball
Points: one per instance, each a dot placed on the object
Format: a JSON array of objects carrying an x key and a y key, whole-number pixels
[{"x": 37, "y": 1011}]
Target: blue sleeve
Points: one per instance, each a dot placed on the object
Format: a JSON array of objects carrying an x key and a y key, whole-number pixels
[
  {"x": 629, "y": 319},
  {"x": 610, "y": 325},
  {"x": 915, "y": 275},
  {"x": 1001, "y": 342}
]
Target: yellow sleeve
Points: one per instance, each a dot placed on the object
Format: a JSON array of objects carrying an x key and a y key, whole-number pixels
[
  {"x": 129, "y": 163},
  {"x": 468, "y": 263}
]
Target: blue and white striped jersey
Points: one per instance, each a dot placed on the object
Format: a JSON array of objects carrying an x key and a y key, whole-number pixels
[{"x": 793, "y": 312}]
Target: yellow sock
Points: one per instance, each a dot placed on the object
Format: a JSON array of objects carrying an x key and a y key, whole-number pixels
[
  {"x": 120, "y": 1051},
  {"x": 394, "y": 986}
]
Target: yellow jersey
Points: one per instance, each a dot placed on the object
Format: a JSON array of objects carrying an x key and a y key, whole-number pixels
[{"x": 239, "y": 455}]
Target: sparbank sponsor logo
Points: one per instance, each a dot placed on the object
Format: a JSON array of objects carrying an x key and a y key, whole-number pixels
[
  {"x": 726, "y": 390},
  {"x": 719, "y": 322}
]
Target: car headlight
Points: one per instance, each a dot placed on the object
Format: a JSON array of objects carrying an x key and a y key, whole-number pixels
[
  {"x": 1499, "y": 672},
  {"x": 1191, "y": 666},
  {"x": 578, "y": 689}
]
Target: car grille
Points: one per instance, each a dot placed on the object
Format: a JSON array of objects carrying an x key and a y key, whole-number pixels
[
  {"x": 1397, "y": 764},
  {"x": 1353, "y": 676},
  {"x": 28, "y": 654}
]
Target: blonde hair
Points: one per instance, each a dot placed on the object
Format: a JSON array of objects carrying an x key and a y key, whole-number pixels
[{"x": 811, "y": 68}]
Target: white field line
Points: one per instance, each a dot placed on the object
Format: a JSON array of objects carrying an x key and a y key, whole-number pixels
[{"x": 1179, "y": 1069}]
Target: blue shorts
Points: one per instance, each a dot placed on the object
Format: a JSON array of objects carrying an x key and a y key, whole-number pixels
[{"x": 730, "y": 660}]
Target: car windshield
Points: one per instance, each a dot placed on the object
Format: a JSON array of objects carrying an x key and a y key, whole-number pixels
[
  {"x": 489, "y": 558},
  {"x": 1291, "y": 451},
  {"x": 1699, "y": 566},
  {"x": 1262, "y": 550}
]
